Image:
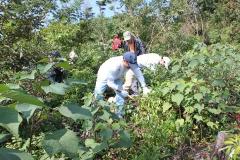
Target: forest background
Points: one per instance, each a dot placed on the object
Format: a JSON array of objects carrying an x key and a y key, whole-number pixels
[{"x": 190, "y": 104}]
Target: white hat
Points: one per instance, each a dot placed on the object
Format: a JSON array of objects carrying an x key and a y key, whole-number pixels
[
  {"x": 167, "y": 62},
  {"x": 127, "y": 35}
]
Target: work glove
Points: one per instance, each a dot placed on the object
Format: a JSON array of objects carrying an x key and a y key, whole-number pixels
[
  {"x": 146, "y": 90},
  {"x": 112, "y": 100},
  {"x": 124, "y": 93}
]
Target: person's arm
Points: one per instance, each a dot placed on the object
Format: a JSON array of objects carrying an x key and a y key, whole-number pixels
[
  {"x": 113, "y": 85},
  {"x": 139, "y": 75}
]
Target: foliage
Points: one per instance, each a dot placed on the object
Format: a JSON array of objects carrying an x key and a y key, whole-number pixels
[
  {"x": 232, "y": 146},
  {"x": 99, "y": 130},
  {"x": 190, "y": 101}
]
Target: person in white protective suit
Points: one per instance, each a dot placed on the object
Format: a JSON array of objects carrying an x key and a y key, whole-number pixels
[
  {"x": 111, "y": 73},
  {"x": 150, "y": 61}
]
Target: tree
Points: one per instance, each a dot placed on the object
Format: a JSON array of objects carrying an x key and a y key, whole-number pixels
[{"x": 19, "y": 21}]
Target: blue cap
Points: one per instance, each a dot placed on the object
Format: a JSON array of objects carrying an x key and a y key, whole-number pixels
[
  {"x": 55, "y": 54},
  {"x": 131, "y": 58}
]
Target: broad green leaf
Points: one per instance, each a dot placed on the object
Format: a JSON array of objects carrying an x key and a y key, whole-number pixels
[
  {"x": 105, "y": 116},
  {"x": 212, "y": 125},
  {"x": 199, "y": 107},
  {"x": 96, "y": 147},
  {"x": 173, "y": 85},
  {"x": 204, "y": 90},
  {"x": 175, "y": 68},
  {"x": 12, "y": 154},
  {"x": 100, "y": 125},
  {"x": 44, "y": 60},
  {"x": 23, "y": 98},
  {"x": 74, "y": 81},
  {"x": 198, "y": 118},
  {"x": 91, "y": 143},
  {"x": 181, "y": 86},
  {"x": 177, "y": 98},
  {"x": 64, "y": 65},
  {"x": 106, "y": 134},
  {"x": 57, "y": 88},
  {"x": 179, "y": 122},
  {"x": 28, "y": 76},
  {"x": 10, "y": 120},
  {"x": 193, "y": 63},
  {"x": 115, "y": 126},
  {"x": 60, "y": 141},
  {"x": 189, "y": 110},
  {"x": 219, "y": 83},
  {"x": 165, "y": 91},
  {"x": 87, "y": 125},
  {"x": 214, "y": 111},
  {"x": 4, "y": 137},
  {"x": 125, "y": 140},
  {"x": 44, "y": 68},
  {"x": 100, "y": 147},
  {"x": 198, "y": 96},
  {"x": 88, "y": 101},
  {"x": 13, "y": 86},
  {"x": 94, "y": 110},
  {"x": 3, "y": 88},
  {"x": 85, "y": 155},
  {"x": 75, "y": 112},
  {"x": 27, "y": 110},
  {"x": 166, "y": 106}
]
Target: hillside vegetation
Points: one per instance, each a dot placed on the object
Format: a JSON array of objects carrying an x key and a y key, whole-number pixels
[{"x": 190, "y": 105}]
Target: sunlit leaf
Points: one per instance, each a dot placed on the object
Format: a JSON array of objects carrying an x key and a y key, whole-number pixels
[
  {"x": 105, "y": 116},
  {"x": 198, "y": 118},
  {"x": 3, "y": 88},
  {"x": 64, "y": 65},
  {"x": 166, "y": 106},
  {"x": 28, "y": 76},
  {"x": 177, "y": 98},
  {"x": 198, "y": 96},
  {"x": 59, "y": 141},
  {"x": 13, "y": 86},
  {"x": 165, "y": 91},
  {"x": 22, "y": 97},
  {"x": 57, "y": 88},
  {"x": 12, "y": 154},
  {"x": 10, "y": 120},
  {"x": 214, "y": 111},
  {"x": 44, "y": 68},
  {"x": 75, "y": 112},
  {"x": 27, "y": 110},
  {"x": 219, "y": 83},
  {"x": 211, "y": 124},
  {"x": 96, "y": 147},
  {"x": 199, "y": 107}
]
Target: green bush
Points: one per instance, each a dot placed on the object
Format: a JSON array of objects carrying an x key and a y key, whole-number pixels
[{"x": 190, "y": 101}]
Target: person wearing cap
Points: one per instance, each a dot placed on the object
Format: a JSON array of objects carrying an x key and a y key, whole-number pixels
[
  {"x": 133, "y": 43},
  {"x": 111, "y": 73},
  {"x": 56, "y": 74},
  {"x": 150, "y": 61}
]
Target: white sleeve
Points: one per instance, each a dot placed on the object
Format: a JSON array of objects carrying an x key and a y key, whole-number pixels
[
  {"x": 113, "y": 85},
  {"x": 139, "y": 75}
]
